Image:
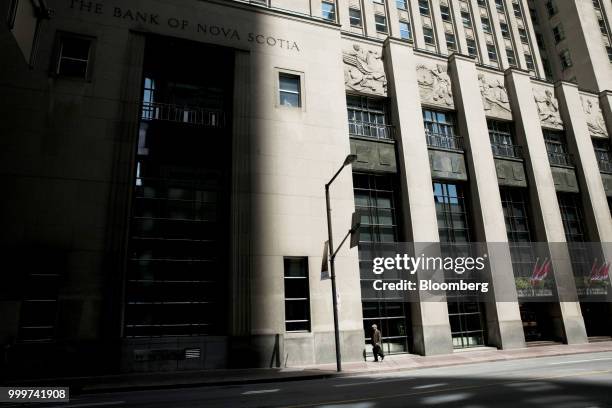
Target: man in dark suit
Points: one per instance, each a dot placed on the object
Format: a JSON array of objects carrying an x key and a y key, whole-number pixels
[{"x": 377, "y": 343}]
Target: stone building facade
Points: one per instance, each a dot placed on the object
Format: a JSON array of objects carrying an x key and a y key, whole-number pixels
[{"x": 165, "y": 163}]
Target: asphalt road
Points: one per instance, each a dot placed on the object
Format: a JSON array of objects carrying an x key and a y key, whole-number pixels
[{"x": 575, "y": 381}]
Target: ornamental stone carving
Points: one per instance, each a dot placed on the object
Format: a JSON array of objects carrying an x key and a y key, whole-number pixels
[
  {"x": 364, "y": 71},
  {"x": 594, "y": 117},
  {"x": 434, "y": 85},
  {"x": 494, "y": 96},
  {"x": 548, "y": 108}
]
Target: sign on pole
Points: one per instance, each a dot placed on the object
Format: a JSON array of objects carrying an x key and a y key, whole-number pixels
[
  {"x": 355, "y": 224},
  {"x": 324, "y": 262}
]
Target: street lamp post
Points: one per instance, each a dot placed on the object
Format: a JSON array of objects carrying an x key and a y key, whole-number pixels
[{"x": 349, "y": 159}]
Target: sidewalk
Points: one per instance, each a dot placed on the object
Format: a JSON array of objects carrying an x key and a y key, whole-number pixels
[{"x": 392, "y": 363}]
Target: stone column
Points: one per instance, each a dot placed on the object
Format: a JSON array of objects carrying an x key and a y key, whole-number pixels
[
  {"x": 500, "y": 43},
  {"x": 505, "y": 329},
  {"x": 459, "y": 29},
  {"x": 546, "y": 214},
  {"x": 480, "y": 36},
  {"x": 535, "y": 49},
  {"x": 430, "y": 324},
  {"x": 367, "y": 18},
  {"x": 594, "y": 200}
]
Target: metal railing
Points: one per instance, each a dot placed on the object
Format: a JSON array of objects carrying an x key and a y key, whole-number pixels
[
  {"x": 444, "y": 141},
  {"x": 183, "y": 114},
  {"x": 507, "y": 150},
  {"x": 561, "y": 159},
  {"x": 373, "y": 130}
]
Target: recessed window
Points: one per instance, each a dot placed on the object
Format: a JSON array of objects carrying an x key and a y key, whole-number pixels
[
  {"x": 596, "y": 4},
  {"x": 529, "y": 62},
  {"x": 602, "y": 26},
  {"x": 355, "y": 17},
  {"x": 289, "y": 88},
  {"x": 74, "y": 55},
  {"x": 566, "y": 59},
  {"x": 511, "y": 58},
  {"x": 424, "y": 7},
  {"x": 471, "y": 47},
  {"x": 297, "y": 295},
  {"x": 609, "y": 51},
  {"x": 482, "y": 3},
  {"x": 517, "y": 10},
  {"x": 405, "y": 31},
  {"x": 551, "y": 7},
  {"x": 558, "y": 33},
  {"x": 402, "y": 4},
  {"x": 523, "y": 35},
  {"x": 547, "y": 69},
  {"x": 492, "y": 52},
  {"x": 505, "y": 30},
  {"x": 451, "y": 43},
  {"x": 445, "y": 12},
  {"x": 486, "y": 24},
  {"x": 328, "y": 11},
  {"x": 428, "y": 36},
  {"x": 466, "y": 18},
  {"x": 499, "y": 4},
  {"x": 381, "y": 23}
]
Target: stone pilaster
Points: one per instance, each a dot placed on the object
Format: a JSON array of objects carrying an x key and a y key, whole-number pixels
[
  {"x": 503, "y": 318},
  {"x": 431, "y": 328},
  {"x": 545, "y": 207}
]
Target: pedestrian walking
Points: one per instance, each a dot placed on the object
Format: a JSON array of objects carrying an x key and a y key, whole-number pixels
[{"x": 376, "y": 340}]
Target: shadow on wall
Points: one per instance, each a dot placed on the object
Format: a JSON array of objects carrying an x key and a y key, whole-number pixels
[
  {"x": 256, "y": 352},
  {"x": 41, "y": 308}
]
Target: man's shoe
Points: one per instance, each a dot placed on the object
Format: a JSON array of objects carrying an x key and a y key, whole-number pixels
[{"x": 382, "y": 358}]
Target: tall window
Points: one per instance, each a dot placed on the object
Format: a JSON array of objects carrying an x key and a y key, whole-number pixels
[
  {"x": 472, "y": 49},
  {"x": 381, "y": 23},
  {"x": 505, "y": 30},
  {"x": 551, "y": 6},
  {"x": 492, "y": 52},
  {"x": 424, "y": 7},
  {"x": 376, "y": 200},
  {"x": 515, "y": 202},
  {"x": 603, "y": 155},
  {"x": 451, "y": 43},
  {"x": 502, "y": 140},
  {"x": 405, "y": 31},
  {"x": 467, "y": 19},
  {"x": 402, "y": 4},
  {"x": 486, "y": 24},
  {"x": 289, "y": 90},
  {"x": 74, "y": 55},
  {"x": 297, "y": 295},
  {"x": 499, "y": 4},
  {"x": 556, "y": 146},
  {"x": 511, "y": 57},
  {"x": 367, "y": 117},
  {"x": 445, "y": 13},
  {"x": 428, "y": 36},
  {"x": 558, "y": 33},
  {"x": 523, "y": 35},
  {"x": 529, "y": 62},
  {"x": 355, "y": 17},
  {"x": 328, "y": 10},
  {"x": 440, "y": 129},
  {"x": 572, "y": 217},
  {"x": 466, "y": 318}
]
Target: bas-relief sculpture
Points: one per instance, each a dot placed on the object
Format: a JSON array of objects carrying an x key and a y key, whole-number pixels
[
  {"x": 594, "y": 117},
  {"x": 364, "y": 71},
  {"x": 494, "y": 96},
  {"x": 548, "y": 108},
  {"x": 435, "y": 85}
]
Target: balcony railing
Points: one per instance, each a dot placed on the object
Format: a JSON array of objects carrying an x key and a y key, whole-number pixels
[
  {"x": 444, "y": 141},
  {"x": 561, "y": 159},
  {"x": 604, "y": 165},
  {"x": 183, "y": 114},
  {"x": 507, "y": 150},
  {"x": 372, "y": 130}
]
